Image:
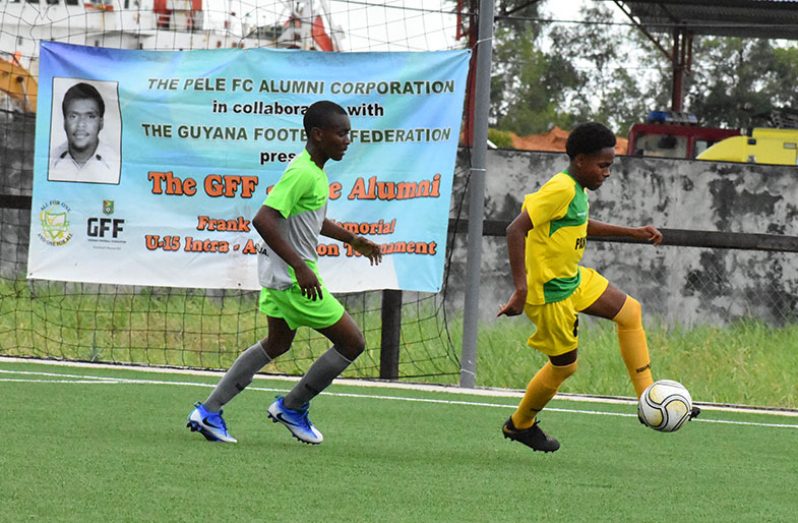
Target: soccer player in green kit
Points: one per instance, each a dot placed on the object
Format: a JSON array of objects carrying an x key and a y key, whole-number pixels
[
  {"x": 545, "y": 243},
  {"x": 290, "y": 221}
]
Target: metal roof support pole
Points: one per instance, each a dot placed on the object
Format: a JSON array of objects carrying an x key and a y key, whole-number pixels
[
  {"x": 476, "y": 195},
  {"x": 473, "y": 38},
  {"x": 682, "y": 61},
  {"x": 677, "y": 61}
]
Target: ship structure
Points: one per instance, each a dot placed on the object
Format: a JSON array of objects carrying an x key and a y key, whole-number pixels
[{"x": 150, "y": 24}]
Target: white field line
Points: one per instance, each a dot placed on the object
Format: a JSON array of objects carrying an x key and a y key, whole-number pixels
[
  {"x": 371, "y": 384},
  {"x": 56, "y": 375},
  {"x": 106, "y": 380},
  {"x": 448, "y": 389}
]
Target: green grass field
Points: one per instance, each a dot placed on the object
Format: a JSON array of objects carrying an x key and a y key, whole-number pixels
[
  {"x": 745, "y": 362},
  {"x": 99, "y": 444}
]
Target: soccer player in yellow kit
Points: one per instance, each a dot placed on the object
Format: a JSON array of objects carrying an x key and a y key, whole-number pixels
[{"x": 545, "y": 243}]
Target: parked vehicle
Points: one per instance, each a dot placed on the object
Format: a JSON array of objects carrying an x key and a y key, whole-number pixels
[
  {"x": 668, "y": 134},
  {"x": 764, "y": 145}
]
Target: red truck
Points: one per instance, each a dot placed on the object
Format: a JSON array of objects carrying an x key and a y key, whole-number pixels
[{"x": 668, "y": 134}]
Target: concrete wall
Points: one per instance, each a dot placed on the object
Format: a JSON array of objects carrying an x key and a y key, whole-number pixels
[
  {"x": 16, "y": 178},
  {"x": 683, "y": 285}
]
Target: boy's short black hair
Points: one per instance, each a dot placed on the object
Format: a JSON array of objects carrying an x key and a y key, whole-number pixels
[
  {"x": 589, "y": 138},
  {"x": 83, "y": 91},
  {"x": 319, "y": 113}
]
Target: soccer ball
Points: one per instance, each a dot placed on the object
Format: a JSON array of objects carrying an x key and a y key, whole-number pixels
[{"x": 665, "y": 406}]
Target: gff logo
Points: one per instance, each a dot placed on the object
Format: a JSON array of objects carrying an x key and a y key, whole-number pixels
[{"x": 100, "y": 227}]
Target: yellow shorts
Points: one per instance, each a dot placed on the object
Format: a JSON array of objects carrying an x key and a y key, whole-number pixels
[{"x": 556, "y": 323}]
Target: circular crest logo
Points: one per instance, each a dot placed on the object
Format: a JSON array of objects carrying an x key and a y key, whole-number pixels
[{"x": 54, "y": 217}]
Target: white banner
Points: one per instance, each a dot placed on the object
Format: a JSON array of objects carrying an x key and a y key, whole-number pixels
[{"x": 150, "y": 166}]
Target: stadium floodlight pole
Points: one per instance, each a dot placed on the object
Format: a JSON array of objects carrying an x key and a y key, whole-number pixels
[{"x": 476, "y": 196}]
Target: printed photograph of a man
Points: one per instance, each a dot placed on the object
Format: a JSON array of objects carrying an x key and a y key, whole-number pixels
[{"x": 89, "y": 155}]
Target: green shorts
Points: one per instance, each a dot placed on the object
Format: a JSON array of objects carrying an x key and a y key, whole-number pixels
[{"x": 300, "y": 311}]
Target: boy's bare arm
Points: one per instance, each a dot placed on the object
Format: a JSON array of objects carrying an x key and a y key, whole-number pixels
[
  {"x": 516, "y": 248},
  {"x": 364, "y": 246},
  {"x": 647, "y": 232},
  {"x": 265, "y": 222}
]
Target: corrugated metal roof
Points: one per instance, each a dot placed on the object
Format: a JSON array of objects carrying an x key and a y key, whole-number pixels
[{"x": 744, "y": 18}]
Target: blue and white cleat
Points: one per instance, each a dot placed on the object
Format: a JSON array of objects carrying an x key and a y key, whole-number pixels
[
  {"x": 296, "y": 421},
  {"x": 209, "y": 424}
]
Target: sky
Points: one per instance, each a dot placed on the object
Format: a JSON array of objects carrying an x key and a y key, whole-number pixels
[
  {"x": 398, "y": 25},
  {"x": 414, "y": 25}
]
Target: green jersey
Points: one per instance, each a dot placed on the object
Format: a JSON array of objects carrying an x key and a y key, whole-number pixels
[{"x": 300, "y": 196}]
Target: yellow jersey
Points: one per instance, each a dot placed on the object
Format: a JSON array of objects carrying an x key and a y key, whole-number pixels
[{"x": 556, "y": 243}]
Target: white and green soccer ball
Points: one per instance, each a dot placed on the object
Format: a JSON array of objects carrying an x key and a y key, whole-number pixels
[{"x": 665, "y": 405}]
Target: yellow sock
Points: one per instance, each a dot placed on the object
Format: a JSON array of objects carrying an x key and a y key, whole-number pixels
[
  {"x": 539, "y": 392},
  {"x": 634, "y": 348}
]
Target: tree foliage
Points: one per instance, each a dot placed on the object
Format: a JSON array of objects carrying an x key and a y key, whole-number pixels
[
  {"x": 524, "y": 84},
  {"x": 606, "y": 90},
  {"x": 738, "y": 82},
  {"x": 547, "y": 74}
]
